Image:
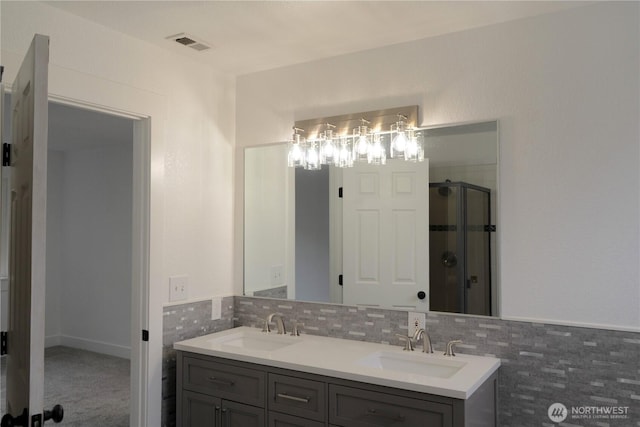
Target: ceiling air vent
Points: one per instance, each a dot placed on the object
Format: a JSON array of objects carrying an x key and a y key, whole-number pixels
[{"x": 190, "y": 41}]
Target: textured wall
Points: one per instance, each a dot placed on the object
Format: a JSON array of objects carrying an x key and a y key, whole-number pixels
[
  {"x": 564, "y": 87},
  {"x": 541, "y": 364}
]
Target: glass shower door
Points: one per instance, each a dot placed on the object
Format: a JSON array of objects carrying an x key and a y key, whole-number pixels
[{"x": 459, "y": 248}]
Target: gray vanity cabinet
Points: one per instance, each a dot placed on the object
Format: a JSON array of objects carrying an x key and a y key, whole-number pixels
[
  {"x": 214, "y": 394},
  {"x": 221, "y": 392}
]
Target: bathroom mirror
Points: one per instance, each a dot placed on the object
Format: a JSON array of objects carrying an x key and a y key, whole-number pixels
[{"x": 303, "y": 241}]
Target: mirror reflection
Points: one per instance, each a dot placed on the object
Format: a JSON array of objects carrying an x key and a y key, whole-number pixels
[{"x": 413, "y": 236}]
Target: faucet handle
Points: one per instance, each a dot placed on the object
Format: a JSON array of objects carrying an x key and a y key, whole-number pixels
[
  {"x": 450, "y": 347},
  {"x": 265, "y": 326},
  {"x": 408, "y": 346},
  {"x": 295, "y": 330}
]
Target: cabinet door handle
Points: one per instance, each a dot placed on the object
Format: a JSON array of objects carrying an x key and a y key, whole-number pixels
[
  {"x": 294, "y": 398},
  {"x": 375, "y": 413},
  {"x": 221, "y": 381}
]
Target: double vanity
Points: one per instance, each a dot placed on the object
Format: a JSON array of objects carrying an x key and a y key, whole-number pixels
[{"x": 245, "y": 377}]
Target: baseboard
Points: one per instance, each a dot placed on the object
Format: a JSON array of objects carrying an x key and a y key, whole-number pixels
[
  {"x": 52, "y": 341},
  {"x": 96, "y": 346}
]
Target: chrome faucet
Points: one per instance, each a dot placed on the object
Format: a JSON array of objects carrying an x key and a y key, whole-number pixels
[
  {"x": 426, "y": 340},
  {"x": 449, "y": 350},
  {"x": 279, "y": 323}
]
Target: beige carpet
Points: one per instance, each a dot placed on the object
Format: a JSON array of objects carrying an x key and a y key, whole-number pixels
[{"x": 93, "y": 388}]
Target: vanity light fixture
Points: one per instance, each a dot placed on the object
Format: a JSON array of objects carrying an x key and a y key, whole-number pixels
[
  {"x": 362, "y": 142},
  {"x": 297, "y": 157},
  {"x": 414, "y": 151},
  {"x": 345, "y": 153},
  {"x": 399, "y": 140},
  {"x": 329, "y": 141},
  {"x": 329, "y": 151},
  {"x": 312, "y": 154}
]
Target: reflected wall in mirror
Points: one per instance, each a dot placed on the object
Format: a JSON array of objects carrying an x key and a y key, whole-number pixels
[{"x": 427, "y": 242}]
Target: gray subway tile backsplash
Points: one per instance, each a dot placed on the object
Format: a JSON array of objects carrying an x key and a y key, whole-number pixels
[{"x": 541, "y": 364}]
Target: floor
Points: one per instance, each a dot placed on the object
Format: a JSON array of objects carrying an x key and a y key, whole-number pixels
[{"x": 93, "y": 388}]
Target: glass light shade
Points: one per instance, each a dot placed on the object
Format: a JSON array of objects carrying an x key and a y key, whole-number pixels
[
  {"x": 345, "y": 154},
  {"x": 296, "y": 156},
  {"x": 328, "y": 150},
  {"x": 399, "y": 139},
  {"x": 414, "y": 151},
  {"x": 377, "y": 155},
  {"x": 312, "y": 156},
  {"x": 361, "y": 144}
]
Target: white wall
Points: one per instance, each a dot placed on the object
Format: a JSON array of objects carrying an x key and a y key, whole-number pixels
[
  {"x": 565, "y": 89},
  {"x": 192, "y": 110},
  {"x": 195, "y": 175},
  {"x": 88, "y": 303}
]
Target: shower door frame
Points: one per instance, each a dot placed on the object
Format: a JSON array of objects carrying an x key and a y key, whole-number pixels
[{"x": 461, "y": 239}]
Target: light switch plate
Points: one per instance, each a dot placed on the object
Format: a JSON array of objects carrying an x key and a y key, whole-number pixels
[
  {"x": 178, "y": 288},
  {"x": 216, "y": 308},
  {"x": 277, "y": 275},
  {"x": 415, "y": 321}
]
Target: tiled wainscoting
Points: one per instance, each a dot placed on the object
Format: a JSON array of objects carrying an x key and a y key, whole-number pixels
[
  {"x": 581, "y": 368},
  {"x": 181, "y": 322}
]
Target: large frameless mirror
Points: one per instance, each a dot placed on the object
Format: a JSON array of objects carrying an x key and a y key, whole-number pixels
[{"x": 408, "y": 235}]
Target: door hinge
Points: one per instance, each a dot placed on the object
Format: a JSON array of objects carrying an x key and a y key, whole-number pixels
[
  {"x": 145, "y": 335},
  {"x": 6, "y": 154},
  {"x": 340, "y": 279},
  {"x": 340, "y": 192},
  {"x": 3, "y": 343}
]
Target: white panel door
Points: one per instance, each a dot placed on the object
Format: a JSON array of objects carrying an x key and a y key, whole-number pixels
[
  {"x": 386, "y": 234},
  {"x": 25, "y": 358}
]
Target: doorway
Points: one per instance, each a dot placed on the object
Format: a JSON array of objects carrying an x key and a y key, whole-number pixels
[{"x": 88, "y": 319}]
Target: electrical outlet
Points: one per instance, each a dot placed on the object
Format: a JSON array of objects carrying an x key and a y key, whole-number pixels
[
  {"x": 277, "y": 275},
  {"x": 416, "y": 321},
  {"x": 216, "y": 308},
  {"x": 178, "y": 288}
]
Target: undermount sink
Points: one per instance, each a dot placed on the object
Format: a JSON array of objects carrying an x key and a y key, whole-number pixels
[
  {"x": 413, "y": 363},
  {"x": 255, "y": 341}
]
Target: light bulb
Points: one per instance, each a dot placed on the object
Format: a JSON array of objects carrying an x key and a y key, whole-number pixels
[{"x": 399, "y": 144}]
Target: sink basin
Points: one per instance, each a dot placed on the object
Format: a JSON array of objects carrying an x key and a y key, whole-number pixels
[
  {"x": 256, "y": 341},
  {"x": 412, "y": 363}
]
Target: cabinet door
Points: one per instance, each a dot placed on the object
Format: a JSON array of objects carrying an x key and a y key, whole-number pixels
[
  {"x": 200, "y": 410},
  {"x": 239, "y": 415}
]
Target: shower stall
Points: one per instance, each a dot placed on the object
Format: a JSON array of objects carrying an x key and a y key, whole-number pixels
[{"x": 460, "y": 248}]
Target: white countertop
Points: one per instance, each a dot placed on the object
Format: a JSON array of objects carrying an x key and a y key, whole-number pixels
[{"x": 341, "y": 358}]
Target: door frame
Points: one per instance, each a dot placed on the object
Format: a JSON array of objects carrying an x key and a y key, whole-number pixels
[
  {"x": 150, "y": 110},
  {"x": 139, "y": 358}
]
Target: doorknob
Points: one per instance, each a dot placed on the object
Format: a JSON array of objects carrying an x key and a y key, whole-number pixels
[
  {"x": 10, "y": 421},
  {"x": 56, "y": 414}
]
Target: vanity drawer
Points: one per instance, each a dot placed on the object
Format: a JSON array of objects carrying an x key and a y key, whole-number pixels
[
  {"x": 225, "y": 381},
  {"x": 354, "y": 407},
  {"x": 283, "y": 420},
  {"x": 298, "y": 396}
]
